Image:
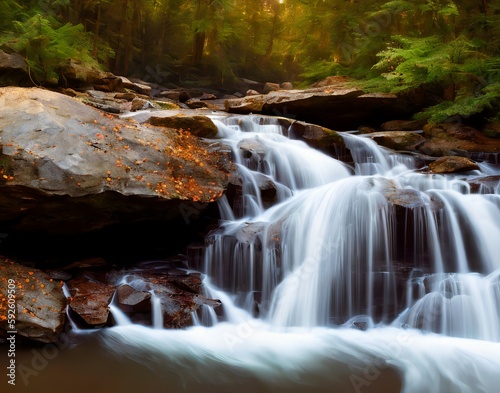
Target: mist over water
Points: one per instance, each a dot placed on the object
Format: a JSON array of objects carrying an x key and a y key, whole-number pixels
[{"x": 365, "y": 278}]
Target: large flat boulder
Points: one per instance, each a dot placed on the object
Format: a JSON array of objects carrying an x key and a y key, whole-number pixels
[
  {"x": 337, "y": 107},
  {"x": 67, "y": 168}
]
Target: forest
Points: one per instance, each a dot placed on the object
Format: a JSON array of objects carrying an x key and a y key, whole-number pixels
[{"x": 450, "y": 49}]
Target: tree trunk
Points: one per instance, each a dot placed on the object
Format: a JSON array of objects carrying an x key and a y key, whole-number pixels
[{"x": 97, "y": 27}]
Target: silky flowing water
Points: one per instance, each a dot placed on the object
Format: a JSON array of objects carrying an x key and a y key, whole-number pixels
[{"x": 370, "y": 277}]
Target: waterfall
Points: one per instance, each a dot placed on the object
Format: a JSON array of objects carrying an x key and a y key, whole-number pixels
[
  {"x": 364, "y": 277},
  {"x": 378, "y": 241}
]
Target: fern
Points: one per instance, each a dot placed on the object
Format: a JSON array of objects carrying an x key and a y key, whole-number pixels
[
  {"x": 411, "y": 63},
  {"x": 46, "y": 43},
  {"x": 318, "y": 70}
]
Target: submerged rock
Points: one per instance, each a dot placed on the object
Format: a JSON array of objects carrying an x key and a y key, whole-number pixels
[{"x": 267, "y": 189}]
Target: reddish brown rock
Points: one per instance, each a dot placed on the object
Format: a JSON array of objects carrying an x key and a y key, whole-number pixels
[
  {"x": 450, "y": 139},
  {"x": 179, "y": 294},
  {"x": 90, "y": 300},
  {"x": 133, "y": 300}
]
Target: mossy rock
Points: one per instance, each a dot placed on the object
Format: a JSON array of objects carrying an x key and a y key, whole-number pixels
[{"x": 200, "y": 126}]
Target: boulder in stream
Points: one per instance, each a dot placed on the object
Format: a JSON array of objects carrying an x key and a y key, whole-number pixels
[
  {"x": 452, "y": 164},
  {"x": 339, "y": 106},
  {"x": 456, "y": 139},
  {"x": 68, "y": 168},
  {"x": 398, "y": 140},
  {"x": 90, "y": 300},
  {"x": 38, "y": 299}
]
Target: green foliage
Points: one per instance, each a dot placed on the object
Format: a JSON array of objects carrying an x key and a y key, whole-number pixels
[
  {"x": 450, "y": 48},
  {"x": 412, "y": 63},
  {"x": 33, "y": 32},
  {"x": 322, "y": 69},
  {"x": 464, "y": 106},
  {"x": 45, "y": 44}
]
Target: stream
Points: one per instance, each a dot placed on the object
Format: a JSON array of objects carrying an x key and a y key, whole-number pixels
[{"x": 365, "y": 277}]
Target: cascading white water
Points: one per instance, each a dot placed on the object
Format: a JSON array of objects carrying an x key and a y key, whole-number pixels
[
  {"x": 411, "y": 257},
  {"x": 332, "y": 251}
]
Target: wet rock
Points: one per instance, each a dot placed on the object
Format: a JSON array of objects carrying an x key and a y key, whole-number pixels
[
  {"x": 286, "y": 86},
  {"x": 90, "y": 300},
  {"x": 451, "y": 139},
  {"x": 398, "y": 140},
  {"x": 251, "y": 233},
  {"x": 133, "y": 300},
  {"x": 39, "y": 300},
  {"x": 452, "y": 164},
  {"x": 251, "y": 147},
  {"x": 407, "y": 198},
  {"x": 201, "y": 126},
  {"x": 138, "y": 104},
  {"x": 316, "y": 136},
  {"x": 179, "y": 293},
  {"x": 267, "y": 188},
  {"x": 485, "y": 185}
]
